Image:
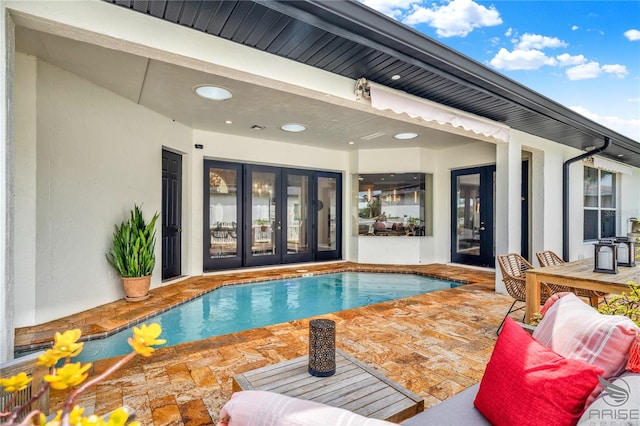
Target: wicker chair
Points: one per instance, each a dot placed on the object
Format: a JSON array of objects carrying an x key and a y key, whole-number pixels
[
  {"x": 513, "y": 268},
  {"x": 549, "y": 258}
]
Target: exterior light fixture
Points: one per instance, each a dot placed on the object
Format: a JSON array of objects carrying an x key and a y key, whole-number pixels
[
  {"x": 405, "y": 136},
  {"x": 606, "y": 257},
  {"x": 396, "y": 77},
  {"x": 213, "y": 92},
  {"x": 293, "y": 127},
  {"x": 322, "y": 347},
  {"x": 626, "y": 251}
]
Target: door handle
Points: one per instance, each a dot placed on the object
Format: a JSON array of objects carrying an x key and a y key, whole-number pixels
[
  {"x": 482, "y": 228},
  {"x": 179, "y": 229},
  {"x": 278, "y": 227}
]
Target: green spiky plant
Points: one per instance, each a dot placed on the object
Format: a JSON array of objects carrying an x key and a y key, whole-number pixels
[{"x": 132, "y": 254}]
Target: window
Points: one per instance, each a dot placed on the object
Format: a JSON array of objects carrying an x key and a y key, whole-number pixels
[
  {"x": 599, "y": 204},
  {"x": 393, "y": 204}
]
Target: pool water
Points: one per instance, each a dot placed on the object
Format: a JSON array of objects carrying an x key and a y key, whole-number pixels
[{"x": 242, "y": 307}]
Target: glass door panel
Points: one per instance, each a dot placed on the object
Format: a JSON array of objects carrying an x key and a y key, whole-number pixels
[
  {"x": 468, "y": 214},
  {"x": 328, "y": 226},
  {"x": 297, "y": 220},
  {"x": 263, "y": 209},
  {"x": 472, "y": 216},
  {"x": 297, "y": 217},
  {"x": 263, "y": 220},
  {"x": 222, "y": 214}
]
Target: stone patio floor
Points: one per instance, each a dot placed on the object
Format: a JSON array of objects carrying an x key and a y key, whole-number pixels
[{"x": 435, "y": 344}]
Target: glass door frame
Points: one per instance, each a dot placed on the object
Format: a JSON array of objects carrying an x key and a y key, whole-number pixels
[
  {"x": 336, "y": 253},
  {"x": 310, "y": 235},
  {"x": 211, "y": 263},
  {"x": 486, "y": 229},
  {"x": 275, "y": 228},
  {"x": 243, "y": 220}
]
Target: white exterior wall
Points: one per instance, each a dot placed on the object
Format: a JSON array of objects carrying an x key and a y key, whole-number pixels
[
  {"x": 7, "y": 293},
  {"x": 25, "y": 179},
  {"x": 94, "y": 160}
]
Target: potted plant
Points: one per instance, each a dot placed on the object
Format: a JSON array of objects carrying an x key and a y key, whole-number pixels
[
  {"x": 263, "y": 225},
  {"x": 133, "y": 254}
]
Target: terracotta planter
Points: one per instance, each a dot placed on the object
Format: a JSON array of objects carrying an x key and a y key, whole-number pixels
[{"x": 136, "y": 288}]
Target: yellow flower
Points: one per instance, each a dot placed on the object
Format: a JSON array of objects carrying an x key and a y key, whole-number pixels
[
  {"x": 66, "y": 344},
  {"x": 49, "y": 359},
  {"x": 144, "y": 337},
  {"x": 119, "y": 417},
  {"x": 91, "y": 421},
  {"x": 68, "y": 375},
  {"x": 15, "y": 383},
  {"x": 75, "y": 416}
]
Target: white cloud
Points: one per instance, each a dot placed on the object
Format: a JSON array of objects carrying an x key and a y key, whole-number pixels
[
  {"x": 584, "y": 71},
  {"x": 528, "y": 55},
  {"x": 632, "y": 35},
  {"x": 456, "y": 18},
  {"x": 392, "y": 8},
  {"x": 574, "y": 28},
  {"x": 627, "y": 127},
  {"x": 521, "y": 60},
  {"x": 564, "y": 60},
  {"x": 509, "y": 32},
  {"x": 537, "y": 41},
  {"x": 594, "y": 70},
  {"x": 620, "y": 71}
]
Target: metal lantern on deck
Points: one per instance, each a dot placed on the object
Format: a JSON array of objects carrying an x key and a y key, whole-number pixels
[
  {"x": 605, "y": 257},
  {"x": 626, "y": 252},
  {"x": 322, "y": 347}
]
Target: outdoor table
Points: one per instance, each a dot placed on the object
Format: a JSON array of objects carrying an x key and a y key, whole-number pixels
[{"x": 577, "y": 274}]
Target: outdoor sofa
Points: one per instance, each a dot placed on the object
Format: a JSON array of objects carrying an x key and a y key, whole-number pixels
[{"x": 546, "y": 379}]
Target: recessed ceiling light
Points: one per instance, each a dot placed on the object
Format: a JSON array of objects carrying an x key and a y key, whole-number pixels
[
  {"x": 620, "y": 155},
  {"x": 403, "y": 136},
  {"x": 213, "y": 92},
  {"x": 293, "y": 127},
  {"x": 228, "y": 122},
  {"x": 396, "y": 77},
  {"x": 351, "y": 142}
]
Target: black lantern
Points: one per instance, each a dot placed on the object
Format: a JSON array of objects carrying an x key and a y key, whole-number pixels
[
  {"x": 322, "y": 347},
  {"x": 606, "y": 257},
  {"x": 626, "y": 251}
]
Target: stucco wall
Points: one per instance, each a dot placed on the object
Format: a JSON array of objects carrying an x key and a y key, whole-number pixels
[
  {"x": 96, "y": 155},
  {"x": 25, "y": 179}
]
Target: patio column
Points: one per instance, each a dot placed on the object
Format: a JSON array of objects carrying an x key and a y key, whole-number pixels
[
  {"x": 508, "y": 202},
  {"x": 6, "y": 135}
]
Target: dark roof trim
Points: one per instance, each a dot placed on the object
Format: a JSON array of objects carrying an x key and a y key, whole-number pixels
[{"x": 364, "y": 25}]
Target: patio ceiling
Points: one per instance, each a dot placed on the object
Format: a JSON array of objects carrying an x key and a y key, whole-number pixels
[{"x": 352, "y": 40}]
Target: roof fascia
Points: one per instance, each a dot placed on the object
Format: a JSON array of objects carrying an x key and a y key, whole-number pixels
[{"x": 361, "y": 24}]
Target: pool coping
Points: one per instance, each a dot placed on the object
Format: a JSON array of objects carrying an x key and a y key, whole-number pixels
[{"x": 38, "y": 333}]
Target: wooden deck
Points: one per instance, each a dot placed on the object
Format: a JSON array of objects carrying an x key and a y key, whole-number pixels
[{"x": 354, "y": 387}]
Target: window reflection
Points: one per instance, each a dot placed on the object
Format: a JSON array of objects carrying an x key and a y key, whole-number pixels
[{"x": 394, "y": 204}]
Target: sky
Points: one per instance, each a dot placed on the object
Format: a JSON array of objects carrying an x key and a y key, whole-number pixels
[{"x": 584, "y": 55}]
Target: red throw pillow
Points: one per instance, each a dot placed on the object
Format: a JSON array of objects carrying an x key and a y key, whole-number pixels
[{"x": 526, "y": 383}]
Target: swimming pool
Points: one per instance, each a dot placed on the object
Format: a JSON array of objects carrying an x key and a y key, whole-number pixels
[{"x": 240, "y": 307}]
